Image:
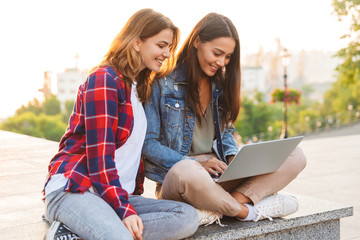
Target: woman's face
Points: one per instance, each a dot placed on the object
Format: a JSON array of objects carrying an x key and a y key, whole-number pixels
[
  {"x": 215, "y": 54},
  {"x": 155, "y": 50}
]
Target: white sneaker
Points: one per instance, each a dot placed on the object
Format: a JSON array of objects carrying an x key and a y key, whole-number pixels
[
  {"x": 207, "y": 217},
  {"x": 277, "y": 205}
]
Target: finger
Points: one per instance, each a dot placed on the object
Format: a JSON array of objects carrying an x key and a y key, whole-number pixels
[
  {"x": 136, "y": 231},
  {"x": 141, "y": 226},
  {"x": 129, "y": 228},
  {"x": 220, "y": 164},
  {"x": 219, "y": 169},
  {"x": 213, "y": 172},
  {"x": 223, "y": 166}
]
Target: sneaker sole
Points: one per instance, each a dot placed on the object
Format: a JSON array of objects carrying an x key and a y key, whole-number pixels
[{"x": 50, "y": 235}]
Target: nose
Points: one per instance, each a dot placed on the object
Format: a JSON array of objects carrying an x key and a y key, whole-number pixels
[
  {"x": 220, "y": 62},
  {"x": 166, "y": 53}
]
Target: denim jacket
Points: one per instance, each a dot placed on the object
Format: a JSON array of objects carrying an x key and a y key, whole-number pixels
[{"x": 170, "y": 126}]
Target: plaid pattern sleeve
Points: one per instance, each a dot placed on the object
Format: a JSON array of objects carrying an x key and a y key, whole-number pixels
[{"x": 108, "y": 123}]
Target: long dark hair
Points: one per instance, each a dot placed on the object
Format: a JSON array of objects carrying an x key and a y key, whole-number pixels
[{"x": 213, "y": 26}]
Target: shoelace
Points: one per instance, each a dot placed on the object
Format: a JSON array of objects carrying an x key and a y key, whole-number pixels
[
  {"x": 266, "y": 213},
  {"x": 262, "y": 214},
  {"x": 210, "y": 219}
]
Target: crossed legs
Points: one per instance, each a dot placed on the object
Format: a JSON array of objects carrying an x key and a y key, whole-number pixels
[{"x": 188, "y": 181}]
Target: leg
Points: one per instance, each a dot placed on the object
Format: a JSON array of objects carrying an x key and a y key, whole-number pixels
[
  {"x": 85, "y": 214},
  {"x": 188, "y": 181},
  {"x": 230, "y": 186},
  {"x": 258, "y": 187},
  {"x": 164, "y": 219}
]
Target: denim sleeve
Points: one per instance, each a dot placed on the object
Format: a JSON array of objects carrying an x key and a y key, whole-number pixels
[
  {"x": 153, "y": 150},
  {"x": 229, "y": 144}
]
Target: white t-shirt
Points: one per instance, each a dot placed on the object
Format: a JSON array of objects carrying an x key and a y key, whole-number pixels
[{"x": 127, "y": 157}]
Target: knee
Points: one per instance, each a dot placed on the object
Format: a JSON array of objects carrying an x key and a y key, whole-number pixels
[
  {"x": 299, "y": 160},
  {"x": 187, "y": 171}
]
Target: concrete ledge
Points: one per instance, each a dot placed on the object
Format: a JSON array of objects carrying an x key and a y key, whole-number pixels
[
  {"x": 315, "y": 219},
  {"x": 23, "y": 167}
]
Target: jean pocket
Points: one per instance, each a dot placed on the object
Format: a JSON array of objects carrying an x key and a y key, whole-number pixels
[{"x": 173, "y": 111}]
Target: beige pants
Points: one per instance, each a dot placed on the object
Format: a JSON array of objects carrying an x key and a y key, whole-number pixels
[{"x": 188, "y": 181}]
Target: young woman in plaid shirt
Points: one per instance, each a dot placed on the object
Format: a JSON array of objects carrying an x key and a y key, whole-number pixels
[{"x": 95, "y": 179}]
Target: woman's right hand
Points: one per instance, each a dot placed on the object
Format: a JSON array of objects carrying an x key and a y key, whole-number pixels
[
  {"x": 135, "y": 226},
  {"x": 214, "y": 166}
]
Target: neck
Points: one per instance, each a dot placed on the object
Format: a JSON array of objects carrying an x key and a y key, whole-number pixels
[{"x": 204, "y": 80}]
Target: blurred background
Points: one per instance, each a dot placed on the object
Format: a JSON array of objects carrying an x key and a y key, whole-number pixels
[{"x": 300, "y": 63}]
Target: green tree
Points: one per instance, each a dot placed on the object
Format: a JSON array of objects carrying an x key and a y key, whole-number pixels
[
  {"x": 33, "y": 106},
  {"x": 255, "y": 117},
  {"x": 346, "y": 90},
  {"x": 44, "y": 126},
  {"x": 24, "y": 123},
  {"x": 51, "y": 105},
  {"x": 51, "y": 127},
  {"x": 69, "y": 106}
]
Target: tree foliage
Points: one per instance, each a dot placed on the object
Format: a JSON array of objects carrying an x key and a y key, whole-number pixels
[
  {"x": 69, "y": 106},
  {"x": 348, "y": 8},
  {"x": 51, "y": 106},
  {"x": 39, "y": 119},
  {"x": 255, "y": 116},
  {"x": 34, "y": 106},
  {"x": 44, "y": 126},
  {"x": 346, "y": 90}
]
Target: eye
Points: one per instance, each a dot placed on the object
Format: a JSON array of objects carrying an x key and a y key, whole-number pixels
[
  {"x": 216, "y": 54},
  {"x": 228, "y": 56},
  {"x": 161, "y": 46}
]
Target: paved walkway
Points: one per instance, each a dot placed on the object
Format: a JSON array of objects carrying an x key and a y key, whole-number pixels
[{"x": 332, "y": 173}]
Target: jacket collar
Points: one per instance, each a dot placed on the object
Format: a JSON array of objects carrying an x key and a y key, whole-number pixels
[{"x": 179, "y": 74}]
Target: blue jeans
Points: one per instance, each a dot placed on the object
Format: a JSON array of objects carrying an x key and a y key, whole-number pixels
[{"x": 90, "y": 217}]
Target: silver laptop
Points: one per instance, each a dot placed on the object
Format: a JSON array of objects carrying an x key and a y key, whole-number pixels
[{"x": 259, "y": 158}]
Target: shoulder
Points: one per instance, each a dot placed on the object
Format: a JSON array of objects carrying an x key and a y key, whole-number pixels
[
  {"x": 106, "y": 77},
  {"x": 177, "y": 76}
]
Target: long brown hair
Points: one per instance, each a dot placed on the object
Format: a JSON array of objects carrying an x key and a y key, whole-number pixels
[
  {"x": 123, "y": 57},
  {"x": 213, "y": 26}
]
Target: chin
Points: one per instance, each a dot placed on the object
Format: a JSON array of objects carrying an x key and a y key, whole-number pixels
[
  {"x": 210, "y": 74},
  {"x": 154, "y": 69}
]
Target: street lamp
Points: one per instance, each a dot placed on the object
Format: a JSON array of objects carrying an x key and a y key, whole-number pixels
[{"x": 285, "y": 60}]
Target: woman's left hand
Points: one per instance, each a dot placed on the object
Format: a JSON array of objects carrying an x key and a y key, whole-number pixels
[{"x": 135, "y": 226}]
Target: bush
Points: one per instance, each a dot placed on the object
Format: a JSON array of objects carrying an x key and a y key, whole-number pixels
[{"x": 44, "y": 126}]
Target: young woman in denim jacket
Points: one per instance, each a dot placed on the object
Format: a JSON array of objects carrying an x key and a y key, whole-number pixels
[
  {"x": 95, "y": 179},
  {"x": 190, "y": 114}
]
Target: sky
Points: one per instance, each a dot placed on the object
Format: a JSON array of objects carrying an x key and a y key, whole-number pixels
[{"x": 46, "y": 35}]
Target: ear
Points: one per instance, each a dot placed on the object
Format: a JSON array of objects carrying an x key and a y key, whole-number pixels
[
  {"x": 196, "y": 42},
  {"x": 136, "y": 44}
]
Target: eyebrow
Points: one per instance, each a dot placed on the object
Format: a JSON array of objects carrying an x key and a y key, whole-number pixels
[
  {"x": 222, "y": 51},
  {"x": 219, "y": 50},
  {"x": 163, "y": 41}
]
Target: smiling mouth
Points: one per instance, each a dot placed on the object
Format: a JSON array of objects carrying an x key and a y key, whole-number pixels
[
  {"x": 159, "y": 61},
  {"x": 213, "y": 68}
]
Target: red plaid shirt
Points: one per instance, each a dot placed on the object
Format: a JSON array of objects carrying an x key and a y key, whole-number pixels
[{"x": 101, "y": 122}]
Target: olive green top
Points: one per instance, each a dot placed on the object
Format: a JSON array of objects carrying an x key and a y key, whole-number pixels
[{"x": 204, "y": 133}]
